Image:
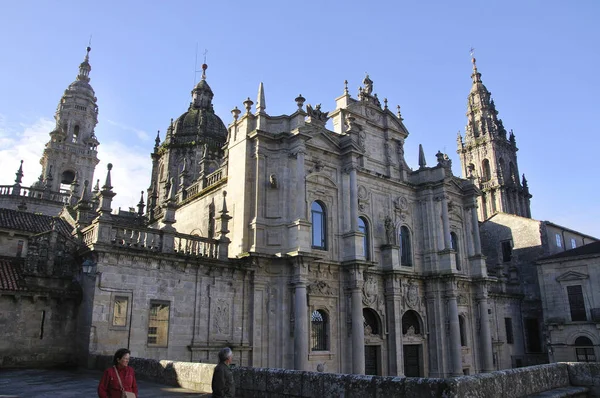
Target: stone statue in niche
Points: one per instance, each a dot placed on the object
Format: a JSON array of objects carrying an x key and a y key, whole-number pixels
[
  {"x": 390, "y": 231},
  {"x": 273, "y": 181}
]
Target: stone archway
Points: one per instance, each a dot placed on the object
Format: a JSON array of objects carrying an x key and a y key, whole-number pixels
[
  {"x": 412, "y": 344},
  {"x": 373, "y": 342}
]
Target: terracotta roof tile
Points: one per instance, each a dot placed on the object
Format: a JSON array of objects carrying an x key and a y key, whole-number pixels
[{"x": 11, "y": 277}]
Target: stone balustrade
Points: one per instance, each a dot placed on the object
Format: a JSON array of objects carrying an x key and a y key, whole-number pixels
[
  {"x": 576, "y": 379},
  {"x": 30, "y": 192},
  {"x": 192, "y": 245},
  {"x": 148, "y": 239},
  {"x": 214, "y": 177}
]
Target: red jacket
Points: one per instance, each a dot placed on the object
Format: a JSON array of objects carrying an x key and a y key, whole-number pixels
[{"x": 109, "y": 385}]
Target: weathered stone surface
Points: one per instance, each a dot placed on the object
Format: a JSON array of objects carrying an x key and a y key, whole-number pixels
[
  {"x": 585, "y": 374},
  {"x": 312, "y": 385},
  {"x": 358, "y": 386}
]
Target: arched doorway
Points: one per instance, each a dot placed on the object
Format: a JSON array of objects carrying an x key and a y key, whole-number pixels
[
  {"x": 412, "y": 344},
  {"x": 373, "y": 342}
]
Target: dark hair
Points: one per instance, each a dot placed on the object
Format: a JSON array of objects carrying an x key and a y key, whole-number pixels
[{"x": 121, "y": 352}]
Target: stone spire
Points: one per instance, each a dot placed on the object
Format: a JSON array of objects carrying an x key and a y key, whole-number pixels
[
  {"x": 141, "y": 205},
  {"x": 72, "y": 149},
  {"x": 489, "y": 157},
  {"x": 261, "y": 104},
  {"x": 106, "y": 195}
]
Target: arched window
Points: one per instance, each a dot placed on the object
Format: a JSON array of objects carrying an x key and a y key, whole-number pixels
[
  {"x": 410, "y": 319},
  {"x": 486, "y": 170},
  {"x": 67, "y": 177},
  {"x": 371, "y": 321},
  {"x": 405, "y": 247},
  {"x": 454, "y": 245},
  {"x": 75, "y": 133},
  {"x": 363, "y": 227},
  {"x": 319, "y": 226},
  {"x": 319, "y": 324},
  {"x": 463, "y": 330},
  {"x": 584, "y": 350}
]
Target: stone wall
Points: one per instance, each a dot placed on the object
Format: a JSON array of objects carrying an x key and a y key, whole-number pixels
[
  {"x": 38, "y": 330},
  {"x": 251, "y": 382}
]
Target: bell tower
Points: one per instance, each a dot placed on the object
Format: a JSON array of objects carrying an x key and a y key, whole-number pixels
[
  {"x": 490, "y": 158},
  {"x": 71, "y": 154}
]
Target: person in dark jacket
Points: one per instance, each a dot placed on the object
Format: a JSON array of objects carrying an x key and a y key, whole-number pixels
[
  {"x": 109, "y": 386},
  {"x": 222, "y": 381}
]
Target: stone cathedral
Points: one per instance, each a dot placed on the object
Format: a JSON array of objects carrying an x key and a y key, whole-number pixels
[{"x": 297, "y": 244}]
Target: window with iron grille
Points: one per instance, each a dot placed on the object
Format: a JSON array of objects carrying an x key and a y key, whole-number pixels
[
  {"x": 318, "y": 332},
  {"x": 158, "y": 324},
  {"x": 585, "y": 351},
  {"x": 576, "y": 303}
]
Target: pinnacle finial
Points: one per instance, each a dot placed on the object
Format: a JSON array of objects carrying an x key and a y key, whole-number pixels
[
  {"x": 84, "y": 67},
  {"x": 398, "y": 113},
  {"x": 422, "y": 162},
  {"x": 204, "y": 65},
  {"x": 345, "y": 87},
  {"x": 261, "y": 104},
  {"x": 19, "y": 174},
  {"x": 157, "y": 140},
  {"x": 107, "y": 183}
]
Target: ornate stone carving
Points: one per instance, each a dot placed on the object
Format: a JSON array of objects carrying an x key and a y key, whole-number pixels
[
  {"x": 221, "y": 316},
  {"x": 273, "y": 181},
  {"x": 401, "y": 203},
  {"x": 410, "y": 332},
  {"x": 316, "y": 113},
  {"x": 412, "y": 294},
  {"x": 461, "y": 300},
  {"x": 370, "y": 291},
  {"x": 362, "y": 192},
  {"x": 321, "y": 288}
]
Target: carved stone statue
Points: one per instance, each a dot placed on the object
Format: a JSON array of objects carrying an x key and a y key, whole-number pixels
[
  {"x": 273, "y": 181},
  {"x": 316, "y": 113},
  {"x": 368, "y": 83},
  {"x": 390, "y": 231}
]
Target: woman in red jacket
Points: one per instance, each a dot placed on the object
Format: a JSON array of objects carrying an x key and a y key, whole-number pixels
[{"x": 110, "y": 386}]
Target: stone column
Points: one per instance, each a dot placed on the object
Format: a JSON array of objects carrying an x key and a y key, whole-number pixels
[
  {"x": 300, "y": 325},
  {"x": 446, "y": 223},
  {"x": 358, "y": 328},
  {"x": 353, "y": 200},
  {"x": 475, "y": 229},
  {"x": 455, "y": 346},
  {"x": 486, "y": 339}
]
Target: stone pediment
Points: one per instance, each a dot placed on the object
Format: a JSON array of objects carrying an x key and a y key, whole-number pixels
[
  {"x": 571, "y": 276},
  {"x": 324, "y": 141}
]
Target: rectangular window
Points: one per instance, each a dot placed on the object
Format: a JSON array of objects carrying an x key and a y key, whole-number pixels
[
  {"x": 158, "y": 324},
  {"x": 532, "y": 332},
  {"x": 558, "y": 241},
  {"x": 120, "y": 307},
  {"x": 573, "y": 243},
  {"x": 576, "y": 303},
  {"x": 509, "y": 330},
  {"x": 506, "y": 251}
]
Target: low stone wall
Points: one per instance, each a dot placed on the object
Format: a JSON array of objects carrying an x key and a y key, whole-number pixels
[
  {"x": 191, "y": 375},
  {"x": 261, "y": 382}
]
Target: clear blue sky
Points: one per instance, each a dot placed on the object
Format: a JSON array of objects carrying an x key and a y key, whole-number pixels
[{"x": 538, "y": 58}]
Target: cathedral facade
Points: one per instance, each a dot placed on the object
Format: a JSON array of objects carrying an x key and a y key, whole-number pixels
[{"x": 297, "y": 244}]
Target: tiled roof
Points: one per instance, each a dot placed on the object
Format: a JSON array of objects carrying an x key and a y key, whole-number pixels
[
  {"x": 11, "y": 277},
  {"x": 30, "y": 222},
  {"x": 586, "y": 250}
]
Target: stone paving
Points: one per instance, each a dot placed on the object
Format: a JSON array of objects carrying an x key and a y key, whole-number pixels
[{"x": 44, "y": 383}]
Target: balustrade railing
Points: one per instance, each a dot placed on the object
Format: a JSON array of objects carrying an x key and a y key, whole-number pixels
[
  {"x": 214, "y": 177},
  {"x": 137, "y": 238},
  {"x": 149, "y": 239},
  {"x": 195, "y": 246},
  {"x": 40, "y": 193}
]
